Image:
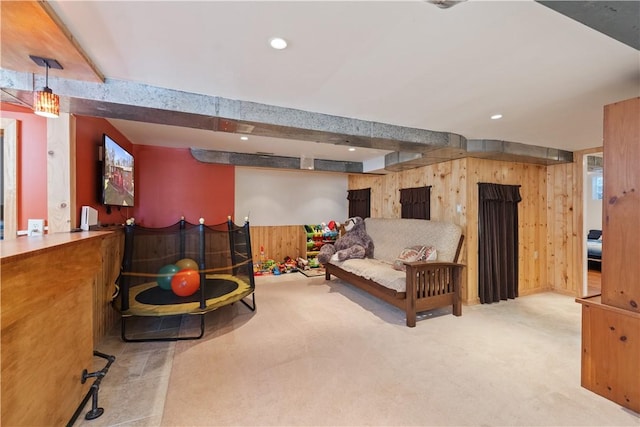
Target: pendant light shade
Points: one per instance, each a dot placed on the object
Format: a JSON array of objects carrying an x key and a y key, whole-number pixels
[{"x": 45, "y": 102}]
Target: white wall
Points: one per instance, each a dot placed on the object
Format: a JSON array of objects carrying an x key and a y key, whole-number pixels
[
  {"x": 289, "y": 197},
  {"x": 593, "y": 213}
]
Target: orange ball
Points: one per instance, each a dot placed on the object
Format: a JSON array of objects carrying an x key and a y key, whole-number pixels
[
  {"x": 185, "y": 282},
  {"x": 187, "y": 263}
]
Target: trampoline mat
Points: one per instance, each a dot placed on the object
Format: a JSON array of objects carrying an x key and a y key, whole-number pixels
[
  {"x": 149, "y": 299},
  {"x": 214, "y": 288}
]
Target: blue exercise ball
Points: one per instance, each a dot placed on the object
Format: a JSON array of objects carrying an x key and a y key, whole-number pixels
[{"x": 165, "y": 274}]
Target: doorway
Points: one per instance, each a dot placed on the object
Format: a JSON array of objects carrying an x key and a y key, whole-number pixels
[
  {"x": 8, "y": 130},
  {"x": 593, "y": 180}
]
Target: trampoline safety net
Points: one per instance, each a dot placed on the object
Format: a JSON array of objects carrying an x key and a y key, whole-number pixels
[{"x": 222, "y": 253}]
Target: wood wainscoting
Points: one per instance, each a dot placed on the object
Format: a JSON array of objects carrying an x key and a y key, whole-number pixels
[{"x": 278, "y": 242}]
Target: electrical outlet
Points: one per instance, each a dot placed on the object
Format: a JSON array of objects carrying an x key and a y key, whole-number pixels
[{"x": 35, "y": 227}]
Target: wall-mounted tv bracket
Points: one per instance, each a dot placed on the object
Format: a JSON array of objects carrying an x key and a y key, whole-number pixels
[{"x": 95, "y": 411}]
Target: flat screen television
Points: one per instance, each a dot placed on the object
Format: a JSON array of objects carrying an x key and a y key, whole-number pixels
[{"x": 117, "y": 174}]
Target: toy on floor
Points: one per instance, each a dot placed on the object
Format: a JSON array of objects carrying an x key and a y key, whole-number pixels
[
  {"x": 270, "y": 266},
  {"x": 303, "y": 264}
]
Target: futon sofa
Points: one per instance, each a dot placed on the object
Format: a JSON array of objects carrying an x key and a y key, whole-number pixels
[{"x": 423, "y": 285}]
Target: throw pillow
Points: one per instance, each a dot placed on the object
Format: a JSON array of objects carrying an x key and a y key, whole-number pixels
[
  {"x": 430, "y": 254},
  {"x": 414, "y": 253}
]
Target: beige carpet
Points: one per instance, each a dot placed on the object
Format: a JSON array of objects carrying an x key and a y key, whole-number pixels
[{"x": 318, "y": 353}]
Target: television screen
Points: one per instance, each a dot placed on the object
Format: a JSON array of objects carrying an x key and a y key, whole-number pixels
[{"x": 117, "y": 174}]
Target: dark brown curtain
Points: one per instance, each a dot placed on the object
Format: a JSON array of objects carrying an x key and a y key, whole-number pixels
[
  {"x": 359, "y": 203},
  {"x": 498, "y": 242},
  {"x": 416, "y": 202}
]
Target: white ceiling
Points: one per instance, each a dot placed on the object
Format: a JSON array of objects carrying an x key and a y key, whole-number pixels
[{"x": 406, "y": 63}]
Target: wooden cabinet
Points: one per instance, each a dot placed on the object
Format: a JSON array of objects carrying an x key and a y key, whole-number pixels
[{"x": 611, "y": 322}]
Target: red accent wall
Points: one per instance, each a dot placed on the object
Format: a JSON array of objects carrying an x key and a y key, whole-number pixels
[
  {"x": 170, "y": 183},
  {"x": 31, "y": 163},
  {"x": 89, "y": 132}
]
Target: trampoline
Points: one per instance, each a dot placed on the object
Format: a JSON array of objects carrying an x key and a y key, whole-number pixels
[{"x": 225, "y": 268}]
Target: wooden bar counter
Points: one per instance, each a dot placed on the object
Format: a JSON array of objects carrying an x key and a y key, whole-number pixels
[{"x": 47, "y": 324}]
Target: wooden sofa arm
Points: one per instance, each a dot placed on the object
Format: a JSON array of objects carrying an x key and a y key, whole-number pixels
[{"x": 435, "y": 281}]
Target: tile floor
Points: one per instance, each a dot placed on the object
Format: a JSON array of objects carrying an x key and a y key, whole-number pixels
[{"x": 133, "y": 391}]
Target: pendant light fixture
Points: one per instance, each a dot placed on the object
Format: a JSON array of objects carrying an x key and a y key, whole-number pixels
[{"x": 45, "y": 102}]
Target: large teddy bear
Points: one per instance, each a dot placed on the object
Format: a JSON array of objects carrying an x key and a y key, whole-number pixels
[{"x": 355, "y": 243}]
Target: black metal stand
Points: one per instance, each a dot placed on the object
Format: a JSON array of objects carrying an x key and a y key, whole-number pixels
[
  {"x": 95, "y": 411},
  {"x": 124, "y": 337},
  {"x": 253, "y": 297},
  {"x": 123, "y": 329}
]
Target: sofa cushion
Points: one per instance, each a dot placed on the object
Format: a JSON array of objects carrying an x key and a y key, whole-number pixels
[
  {"x": 391, "y": 235},
  {"x": 414, "y": 253},
  {"x": 379, "y": 271}
]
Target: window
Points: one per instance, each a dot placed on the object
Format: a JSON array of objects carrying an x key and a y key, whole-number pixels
[
  {"x": 597, "y": 185},
  {"x": 359, "y": 203},
  {"x": 416, "y": 202}
]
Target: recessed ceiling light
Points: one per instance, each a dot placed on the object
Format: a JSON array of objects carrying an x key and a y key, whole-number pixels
[
  {"x": 496, "y": 116},
  {"x": 278, "y": 43},
  {"x": 244, "y": 138},
  {"x": 352, "y": 149}
]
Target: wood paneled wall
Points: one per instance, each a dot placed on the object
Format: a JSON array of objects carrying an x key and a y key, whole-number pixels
[
  {"x": 278, "y": 242},
  {"x": 532, "y": 219},
  {"x": 454, "y": 197},
  {"x": 550, "y": 217},
  {"x": 566, "y": 239},
  {"x": 448, "y": 181},
  {"x": 564, "y": 228},
  {"x": 621, "y": 207}
]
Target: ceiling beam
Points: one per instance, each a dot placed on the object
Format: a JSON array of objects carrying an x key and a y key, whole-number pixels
[
  {"x": 412, "y": 147},
  {"x": 619, "y": 20},
  {"x": 273, "y": 162}
]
